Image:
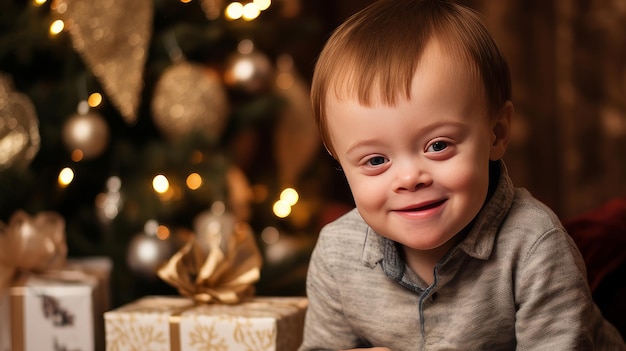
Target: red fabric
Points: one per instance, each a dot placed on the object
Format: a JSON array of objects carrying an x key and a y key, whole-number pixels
[{"x": 601, "y": 238}]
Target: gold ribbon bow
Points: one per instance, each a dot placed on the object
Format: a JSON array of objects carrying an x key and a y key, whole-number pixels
[
  {"x": 33, "y": 244},
  {"x": 220, "y": 267}
]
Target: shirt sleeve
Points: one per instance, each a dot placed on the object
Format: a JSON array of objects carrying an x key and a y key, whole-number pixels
[
  {"x": 555, "y": 309},
  {"x": 326, "y": 327}
]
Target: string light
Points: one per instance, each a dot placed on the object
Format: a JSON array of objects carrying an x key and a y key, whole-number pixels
[
  {"x": 57, "y": 27},
  {"x": 248, "y": 12},
  {"x": 262, "y": 4},
  {"x": 160, "y": 184},
  {"x": 288, "y": 198},
  {"x": 290, "y": 195},
  {"x": 162, "y": 232},
  {"x": 281, "y": 209},
  {"x": 95, "y": 99},
  {"x": 234, "y": 11},
  {"x": 66, "y": 176},
  {"x": 39, "y": 2},
  {"x": 194, "y": 181}
]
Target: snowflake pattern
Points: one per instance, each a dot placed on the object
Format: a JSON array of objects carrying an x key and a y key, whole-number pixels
[
  {"x": 123, "y": 335},
  {"x": 247, "y": 327},
  {"x": 205, "y": 338}
]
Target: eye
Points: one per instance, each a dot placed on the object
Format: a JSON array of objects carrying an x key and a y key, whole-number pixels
[
  {"x": 376, "y": 161},
  {"x": 437, "y": 146}
]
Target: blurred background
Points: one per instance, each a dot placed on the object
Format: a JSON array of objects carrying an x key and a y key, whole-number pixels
[{"x": 137, "y": 120}]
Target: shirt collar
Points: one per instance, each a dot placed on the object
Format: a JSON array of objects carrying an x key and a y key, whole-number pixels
[{"x": 478, "y": 243}]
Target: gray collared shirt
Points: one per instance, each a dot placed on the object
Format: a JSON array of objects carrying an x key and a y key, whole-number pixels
[{"x": 515, "y": 282}]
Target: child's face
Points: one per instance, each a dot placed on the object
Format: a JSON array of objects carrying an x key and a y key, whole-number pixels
[{"x": 419, "y": 170}]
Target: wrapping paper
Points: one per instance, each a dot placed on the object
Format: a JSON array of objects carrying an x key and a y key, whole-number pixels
[
  {"x": 5, "y": 328},
  {"x": 180, "y": 324},
  {"x": 100, "y": 269},
  {"x": 52, "y": 314}
]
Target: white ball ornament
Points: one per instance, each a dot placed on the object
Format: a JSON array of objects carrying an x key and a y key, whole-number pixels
[
  {"x": 87, "y": 132},
  {"x": 147, "y": 252},
  {"x": 248, "y": 69}
]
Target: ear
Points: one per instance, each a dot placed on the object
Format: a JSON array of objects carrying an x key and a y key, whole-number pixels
[{"x": 500, "y": 132}]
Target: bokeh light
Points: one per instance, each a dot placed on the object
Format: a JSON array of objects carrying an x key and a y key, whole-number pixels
[
  {"x": 250, "y": 11},
  {"x": 162, "y": 232},
  {"x": 194, "y": 181},
  {"x": 234, "y": 11},
  {"x": 262, "y": 4},
  {"x": 160, "y": 184},
  {"x": 56, "y": 27},
  {"x": 290, "y": 196},
  {"x": 66, "y": 176},
  {"x": 281, "y": 209},
  {"x": 95, "y": 99}
]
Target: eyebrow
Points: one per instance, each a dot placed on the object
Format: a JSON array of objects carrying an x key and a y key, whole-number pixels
[
  {"x": 360, "y": 144},
  {"x": 424, "y": 130}
]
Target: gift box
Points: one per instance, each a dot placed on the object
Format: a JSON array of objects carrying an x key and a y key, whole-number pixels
[
  {"x": 5, "y": 327},
  {"x": 181, "y": 324},
  {"x": 50, "y": 314},
  {"x": 214, "y": 272},
  {"x": 99, "y": 268},
  {"x": 72, "y": 300},
  {"x": 49, "y": 303}
]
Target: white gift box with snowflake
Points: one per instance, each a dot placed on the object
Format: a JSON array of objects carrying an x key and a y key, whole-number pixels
[
  {"x": 178, "y": 324},
  {"x": 51, "y": 314}
]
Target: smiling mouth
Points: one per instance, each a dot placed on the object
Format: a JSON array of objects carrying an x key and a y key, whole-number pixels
[{"x": 424, "y": 207}]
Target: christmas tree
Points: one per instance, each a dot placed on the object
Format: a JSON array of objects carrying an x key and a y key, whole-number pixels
[{"x": 135, "y": 120}]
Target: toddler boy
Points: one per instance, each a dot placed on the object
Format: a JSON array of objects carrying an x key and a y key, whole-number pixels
[{"x": 413, "y": 99}]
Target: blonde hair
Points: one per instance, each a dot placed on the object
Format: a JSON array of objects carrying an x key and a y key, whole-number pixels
[{"x": 374, "y": 54}]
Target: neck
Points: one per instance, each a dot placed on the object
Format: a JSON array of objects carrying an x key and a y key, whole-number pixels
[{"x": 423, "y": 262}]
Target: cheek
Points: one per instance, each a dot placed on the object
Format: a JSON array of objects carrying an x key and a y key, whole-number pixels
[
  {"x": 473, "y": 169},
  {"x": 366, "y": 191},
  {"x": 471, "y": 176}
]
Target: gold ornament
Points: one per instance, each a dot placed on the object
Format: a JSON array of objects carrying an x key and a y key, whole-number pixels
[
  {"x": 86, "y": 132},
  {"x": 112, "y": 37},
  {"x": 296, "y": 138},
  {"x": 19, "y": 127},
  {"x": 187, "y": 98}
]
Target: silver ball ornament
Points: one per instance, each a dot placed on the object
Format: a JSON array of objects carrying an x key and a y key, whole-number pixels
[
  {"x": 146, "y": 253},
  {"x": 248, "y": 69},
  {"x": 87, "y": 132}
]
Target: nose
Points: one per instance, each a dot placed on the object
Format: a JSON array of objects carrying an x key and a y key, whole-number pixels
[{"x": 411, "y": 176}]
